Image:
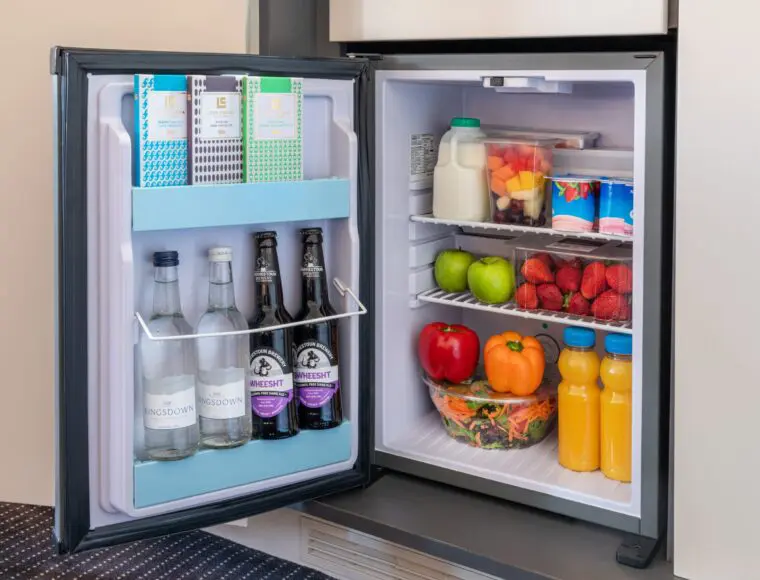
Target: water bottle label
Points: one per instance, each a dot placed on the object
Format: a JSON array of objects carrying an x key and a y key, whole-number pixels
[
  {"x": 169, "y": 411},
  {"x": 269, "y": 383},
  {"x": 316, "y": 377},
  {"x": 222, "y": 401}
]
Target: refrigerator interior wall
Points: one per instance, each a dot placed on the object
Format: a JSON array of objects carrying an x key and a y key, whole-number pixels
[
  {"x": 120, "y": 283},
  {"x": 418, "y": 102}
]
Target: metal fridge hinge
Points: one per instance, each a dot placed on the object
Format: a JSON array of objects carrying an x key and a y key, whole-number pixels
[{"x": 55, "y": 57}]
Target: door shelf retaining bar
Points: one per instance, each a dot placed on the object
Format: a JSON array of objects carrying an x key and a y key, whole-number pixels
[{"x": 339, "y": 285}]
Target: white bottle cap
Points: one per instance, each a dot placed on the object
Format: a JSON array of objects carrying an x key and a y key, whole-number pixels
[{"x": 220, "y": 255}]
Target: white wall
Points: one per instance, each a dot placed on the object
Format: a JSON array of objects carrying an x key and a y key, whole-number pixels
[
  {"x": 27, "y": 31},
  {"x": 717, "y": 339},
  {"x": 436, "y": 19}
]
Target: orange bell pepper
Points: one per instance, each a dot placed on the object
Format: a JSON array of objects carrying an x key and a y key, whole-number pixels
[{"x": 514, "y": 364}]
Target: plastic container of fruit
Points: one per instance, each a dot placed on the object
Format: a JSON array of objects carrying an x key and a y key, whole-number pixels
[
  {"x": 474, "y": 414},
  {"x": 564, "y": 139},
  {"x": 591, "y": 279},
  {"x": 517, "y": 170}
]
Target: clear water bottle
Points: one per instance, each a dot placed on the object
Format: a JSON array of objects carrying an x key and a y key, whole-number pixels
[
  {"x": 223, "y": 407},
  {"x": 168, "y": 370}
]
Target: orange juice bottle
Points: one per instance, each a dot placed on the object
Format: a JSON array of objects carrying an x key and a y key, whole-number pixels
[
  {"x": 578, "y": 400},
  {"x": 617, "y": 378}
]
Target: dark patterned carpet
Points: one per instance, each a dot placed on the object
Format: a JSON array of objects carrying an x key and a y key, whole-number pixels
[{"x": 26, "y": 552}]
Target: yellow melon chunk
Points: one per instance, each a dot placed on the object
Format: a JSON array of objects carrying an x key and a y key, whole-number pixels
[
  {"x": 514, "y": 184},
  {"x": 528, "y": 179}
]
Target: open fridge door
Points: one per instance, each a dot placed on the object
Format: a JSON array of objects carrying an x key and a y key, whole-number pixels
[
  {"x": 108, "y": 489},
  {"x": 603, "y": 118}
]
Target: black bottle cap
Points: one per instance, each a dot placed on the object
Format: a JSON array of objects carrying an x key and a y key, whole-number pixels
[
  {"x": 266, "y": 239},
  {"x": 313, "y": 235},
  {"x": 165, "y": 259}
]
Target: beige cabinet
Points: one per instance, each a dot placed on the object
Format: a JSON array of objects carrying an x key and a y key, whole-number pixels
[
  {"x": 716, "y": 340},
  {"x": 367, "y": 20},
  {"x": 26, "y": 189}
]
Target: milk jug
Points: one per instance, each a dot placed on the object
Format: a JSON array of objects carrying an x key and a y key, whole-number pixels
[{"x": 460, "y": 190}]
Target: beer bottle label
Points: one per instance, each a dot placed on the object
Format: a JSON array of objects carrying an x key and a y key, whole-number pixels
[
  {"x": 270, "y": 382},
  {"x": 316, "y": 376}
]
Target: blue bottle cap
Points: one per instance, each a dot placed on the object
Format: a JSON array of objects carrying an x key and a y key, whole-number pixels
[
  {"x": 579, "y": 337},
  {"x": 618, "y": 344}
]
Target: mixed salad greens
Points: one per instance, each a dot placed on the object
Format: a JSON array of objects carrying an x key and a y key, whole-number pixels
[{"x": 474, "y": 414}]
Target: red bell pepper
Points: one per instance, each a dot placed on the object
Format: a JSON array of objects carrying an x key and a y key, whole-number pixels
[{"x": 448, "y": 351}]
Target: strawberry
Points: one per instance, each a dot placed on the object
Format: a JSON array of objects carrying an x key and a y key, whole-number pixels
[
  {"x": 550, "y": 296},
  {"x": 611, "y": 305},
  {"x": 568, "y": 279},
  {"x": 620, "y": 278},
  {"x": 545, "y": 258},
  {"x": 593, "y": 281},
  {"x": 577, "y": 304},
  {"x": 536, "y": 271},
  {"x": 572, "y": 262},
  {"x": 526, "y": 296}
]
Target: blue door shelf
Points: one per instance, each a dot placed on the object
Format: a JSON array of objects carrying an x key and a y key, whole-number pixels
[
  {"x": 212, "y": 470},
  {"x": 203, "y": 206}
]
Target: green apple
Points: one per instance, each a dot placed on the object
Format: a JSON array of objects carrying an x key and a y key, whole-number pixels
[
  {"x": 451, "y": 270},
  {"x": 491, "y": 280}
]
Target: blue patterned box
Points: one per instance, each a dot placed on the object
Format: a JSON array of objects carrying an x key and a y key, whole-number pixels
[{"x": 160, "y": 151}]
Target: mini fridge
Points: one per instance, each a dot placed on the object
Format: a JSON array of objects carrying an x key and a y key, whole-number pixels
[{"x": 370, "y": 130}]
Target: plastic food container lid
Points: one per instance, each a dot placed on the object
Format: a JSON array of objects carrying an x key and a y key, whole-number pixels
[
  {"x": 478, "y": 390},
  {"x": 579, "y": 337},
  {"x": 574, "y": 178},
  {"x": 618, "y": 343},
  {"x": 465, "y": 122},
  {"x": 617, "y": 180},
  {"x": 521, "y": 141}
]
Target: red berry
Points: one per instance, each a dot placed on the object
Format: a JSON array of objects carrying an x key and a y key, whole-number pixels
[
  {"x": 571, "y": 262},
  {"x": 535, "y": 271},
  {"x": 577, "y": 304},
  {"x": 611, "y": 305},
  {"x": 620, "y": 278},
  {"x": 550, "y": 297},
  {"x": 545, "y": 258},
  {"x": 526, "y": 296},
  {"x": 593, "y": 282},
  {"x": 568, "y": 279}
]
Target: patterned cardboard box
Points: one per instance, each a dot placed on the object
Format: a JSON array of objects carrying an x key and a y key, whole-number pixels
[
  {"x": 214, "y": 130},
  {"x": 160, "y": 140},
  {"x": 272, "y": 129}
]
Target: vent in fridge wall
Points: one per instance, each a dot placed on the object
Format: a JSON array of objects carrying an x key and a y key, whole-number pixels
[
  {"x": 409, "y": 434},
  {"x": 135, "y": 222}
]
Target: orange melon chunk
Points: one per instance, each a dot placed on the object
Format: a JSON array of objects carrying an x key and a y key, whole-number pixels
[
  {"x": 495, "y": 162},
  {"x": 505, "y": 173}
]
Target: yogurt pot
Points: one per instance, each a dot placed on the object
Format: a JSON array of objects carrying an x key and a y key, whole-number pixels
[
  {"x": 616, "y": 207},
  {"x": 574, "y": 203}
]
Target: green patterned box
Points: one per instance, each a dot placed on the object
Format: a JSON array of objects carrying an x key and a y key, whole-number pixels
[{"x": 272, "y": 129}]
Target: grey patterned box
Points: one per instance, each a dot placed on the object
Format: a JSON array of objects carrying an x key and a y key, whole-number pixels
[{"x": 215, "y": 143}]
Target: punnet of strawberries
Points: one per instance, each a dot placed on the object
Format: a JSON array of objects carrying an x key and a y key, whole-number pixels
[{"x": 597, "y": 288}]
